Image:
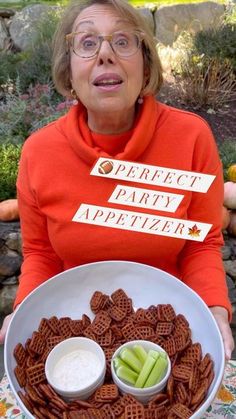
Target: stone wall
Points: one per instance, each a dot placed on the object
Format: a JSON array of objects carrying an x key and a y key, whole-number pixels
[{"x": 17, "y": 29}]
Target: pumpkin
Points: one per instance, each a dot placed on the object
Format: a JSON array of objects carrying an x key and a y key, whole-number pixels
[
  {"x": 232, "y": 224},
  {"x": 225, "y": 217},
  {"x": 230, "y": 195},
  {"x": 231, "y": 172},
  {"x": 9, "y": 210}
]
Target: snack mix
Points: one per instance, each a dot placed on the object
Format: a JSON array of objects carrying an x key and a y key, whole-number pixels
[{"x": 115, "y": 323}]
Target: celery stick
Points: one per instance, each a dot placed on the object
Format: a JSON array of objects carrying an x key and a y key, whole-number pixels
[
  {"x": 117, "y": 361},
  {"x": 145, "y": 371},
  {"x": 130, "y": 358},
  {"x": 157, "y": 372},
  {"x": 154, "y": 354},
  {"x": 126, "y": 374},
  {"x": 140, "y": 353}
]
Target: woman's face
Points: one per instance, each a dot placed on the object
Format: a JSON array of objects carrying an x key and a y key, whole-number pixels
[{"x": 106, "y": 83}]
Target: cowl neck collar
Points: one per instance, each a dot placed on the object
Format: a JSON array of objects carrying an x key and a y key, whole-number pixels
[{"x": 76, "y": 130}]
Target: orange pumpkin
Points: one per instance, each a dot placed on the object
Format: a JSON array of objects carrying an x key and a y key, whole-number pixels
[
  {"x": 231, "y": 172},
  {"x": 225, "y": 217},
  {"x": 9, "y": 210},
  {"x": 232, "y": 224}
]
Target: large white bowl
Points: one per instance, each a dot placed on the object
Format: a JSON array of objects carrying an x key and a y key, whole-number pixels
[{"x": 69, "y": 293}]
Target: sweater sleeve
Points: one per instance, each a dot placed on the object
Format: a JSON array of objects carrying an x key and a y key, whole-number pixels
[
  {"x": 201, "y": 262},
  {"x": 40, "y": 261}
]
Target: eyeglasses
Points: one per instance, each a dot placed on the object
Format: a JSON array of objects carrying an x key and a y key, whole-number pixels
[{"x": 87, "y": 45}]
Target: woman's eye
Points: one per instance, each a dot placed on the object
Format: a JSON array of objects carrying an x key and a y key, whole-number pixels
[
  {"x": 122, "y": 42},
  {"x": 88, "y": 43}
]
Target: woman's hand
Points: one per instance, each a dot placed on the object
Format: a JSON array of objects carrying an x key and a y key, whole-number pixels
[
  {"x": 221, "y": 317},
  {"x": 4, "y": 328}
]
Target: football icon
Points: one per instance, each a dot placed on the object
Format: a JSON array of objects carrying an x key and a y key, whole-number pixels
[{"x": 105, "y": 167}]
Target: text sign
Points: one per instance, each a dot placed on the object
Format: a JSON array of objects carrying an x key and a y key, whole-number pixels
[
  {"x": 141, "y": 222},
  {"x": 145, "y": 198},
  {"x": 152, "y": 175}
]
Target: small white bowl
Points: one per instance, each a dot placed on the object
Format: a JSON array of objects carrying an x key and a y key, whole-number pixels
[
  {"x": 141, "y": 394},
  {"x": 76, "y": 367}
]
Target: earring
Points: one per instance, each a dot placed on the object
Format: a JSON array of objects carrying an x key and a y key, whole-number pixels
[
  {"x": 74, "y": 96},
  {"x": 140, "y": 100}
]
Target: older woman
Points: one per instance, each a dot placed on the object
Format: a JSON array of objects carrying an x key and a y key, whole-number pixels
[{"x": 105, "y": 57}]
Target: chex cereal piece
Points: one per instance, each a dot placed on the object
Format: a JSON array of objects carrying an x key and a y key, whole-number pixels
[
  {"x": 19, "y": 354},
  {"x": 106, "y": 339},
  {"x": 118, "y": 294},
  {"x": 101, "y": 323},
  {"x": 168, "y": 312},
  {"x": 64, "y": 327},
  {"x": 30, "y": 361},
  {"x": 181, "y": 411},
  {"x": 134, "y": 411},
  {"x": 117, "y": 313},
  {"x": 200, "y": 394},
  {"x": 160, "y": 399},
  {"x": 151, "y": 315},
  {"x": 45, "y": 329},
  {"x": 118, "y": 407},
  {"x": 169, "y": 346},
  {"x": 89, "y": 333},
  {"x": 97, "y": 301},
  {"x": 170, "y": 388},
  {"x": 157, "y": 412},
  {"x": 58, "y": 403},
  {"x": 125, "y": 304},
  {"x": 194, "y": 379},
  {"x": 107, "y": 411},
  {"x": 76, "y": 327},
  {"x": 128, "y": 399},
  {"x": 130, "y": 332},
  {"x": 182, "y": 340},
  {"x": 181, "y": 321},
  {"x": 27, "y": 402},
  {"x": 34, "y": 396},
  {"x": 206, "y": 366},
  {"x": 116, "y": 332},
  {"x": 36, "y": 374},
  {"x": 53, "y": 322},
  {"x": 47, "y": 391},
  {"x": 82, "y": 414},
  {"x": 106, "y": 393},
  {"x": 38, "y": 414},
  {"x": 182, "y": 372},
  {"x": 140, "y": 315},
  {"x": 93, "y": 412},
  {"x": 160, "y": 315},
  {"x": 210, "y": 377},
  {"x": 53, "y": 341},
  {"x": 20, "y": 375},
  {"x": 193, "y": 352},
  {"x": 160, "y": 340},
  {"x": 181, "y": 394},
  {"x": 37, "y": 343},
  {"x": 145, "y": 331},
  {"x": 164, "y": 328},
  {"x": 86, "y": 321},
  {"x": 29, "y": 351}
]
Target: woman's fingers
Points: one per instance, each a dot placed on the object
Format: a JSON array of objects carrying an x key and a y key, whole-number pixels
[
  {"x": 4, "y": 328},
  {"x": 221, "y": 317}
]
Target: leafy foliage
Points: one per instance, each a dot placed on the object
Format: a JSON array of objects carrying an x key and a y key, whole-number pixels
[
  {"x": 9, "y": 158},
  {"x": 227, "y": 152}
]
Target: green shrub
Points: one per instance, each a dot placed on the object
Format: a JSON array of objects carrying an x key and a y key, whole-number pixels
[
  {"x": 9, "y": 158},
  {"x": 21, "y": 114},
  {"x": 227, "y": 152},
  {"x": 219, "y": 42}
]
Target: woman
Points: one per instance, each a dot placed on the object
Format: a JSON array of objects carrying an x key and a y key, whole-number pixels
[{"x": 105, "y": 57}]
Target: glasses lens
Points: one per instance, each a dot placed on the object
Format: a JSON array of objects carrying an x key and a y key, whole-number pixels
[
  {"x": 85, "y": 44},
  {"x": 125, "y": 43}
]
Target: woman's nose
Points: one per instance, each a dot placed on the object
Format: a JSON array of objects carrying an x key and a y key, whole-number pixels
[{"x": 106, "y": 53}]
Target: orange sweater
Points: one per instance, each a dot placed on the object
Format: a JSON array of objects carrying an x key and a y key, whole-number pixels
[{"x": 54, "y": 179}]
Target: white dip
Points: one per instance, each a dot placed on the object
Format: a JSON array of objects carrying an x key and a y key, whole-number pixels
[{"x": 76, "y": 370}]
